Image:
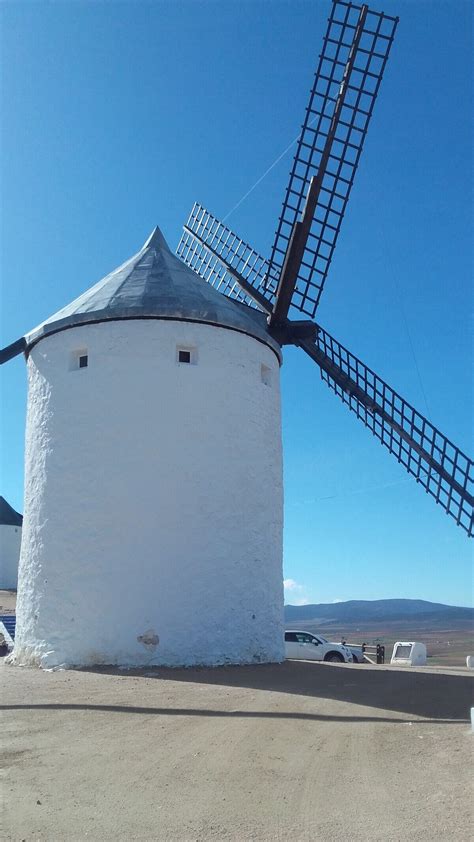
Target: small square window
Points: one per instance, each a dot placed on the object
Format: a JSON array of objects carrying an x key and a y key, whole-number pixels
[
  {"x": 78, "y": 358},
  {"x": 186, "y": 355}
]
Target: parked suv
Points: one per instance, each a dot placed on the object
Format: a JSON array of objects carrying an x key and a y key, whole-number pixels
[{"x": 309, "y": 647}]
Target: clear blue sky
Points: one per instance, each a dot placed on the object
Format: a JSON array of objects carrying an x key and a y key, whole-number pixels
[{"x": 117, "y": 116}]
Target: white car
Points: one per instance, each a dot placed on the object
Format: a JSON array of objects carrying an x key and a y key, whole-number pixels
[
  {"x": 357, "y": 654},
  {"x": 357, "y": 651},
  {"x": 310, "y": 647}
]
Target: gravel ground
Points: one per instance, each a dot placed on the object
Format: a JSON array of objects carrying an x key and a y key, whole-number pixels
[{"x": 301, "y": 751}]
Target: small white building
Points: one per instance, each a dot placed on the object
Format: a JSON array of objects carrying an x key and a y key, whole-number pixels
[
  {"x": 153, "y": 476},
  {"x": 10, "y": 542}
]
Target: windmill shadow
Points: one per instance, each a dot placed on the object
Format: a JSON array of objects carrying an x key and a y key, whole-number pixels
[{"x": 434, "y": 696}]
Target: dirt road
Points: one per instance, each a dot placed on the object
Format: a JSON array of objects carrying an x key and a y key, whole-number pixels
[{"x": 301, "y": 751}]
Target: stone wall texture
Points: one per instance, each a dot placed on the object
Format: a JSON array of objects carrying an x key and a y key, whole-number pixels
[{"x": 153, "y": 511}]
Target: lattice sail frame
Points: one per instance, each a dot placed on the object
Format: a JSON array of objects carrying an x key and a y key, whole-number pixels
[
  {"x": 444, "y": 471},
  {"x": 351, "y": 65},
  {"x": 213, "y": 251},
  {"x": 229, "y": 264}
]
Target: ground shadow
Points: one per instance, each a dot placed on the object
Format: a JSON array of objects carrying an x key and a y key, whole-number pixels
[
  {"x": 233, "y": 714},
  {"x": 430, "y": 695}
]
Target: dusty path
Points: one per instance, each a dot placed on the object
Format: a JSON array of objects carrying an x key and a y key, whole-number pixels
[{"x": 296, "y": 752}]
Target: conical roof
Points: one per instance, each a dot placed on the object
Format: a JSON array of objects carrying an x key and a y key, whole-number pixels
[
  {"x": 155, "y": 284},
  {"x": 8, "y": 516}
]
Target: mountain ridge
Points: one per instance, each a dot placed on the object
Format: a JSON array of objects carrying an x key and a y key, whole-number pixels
[{"x": 378, "y": 610}]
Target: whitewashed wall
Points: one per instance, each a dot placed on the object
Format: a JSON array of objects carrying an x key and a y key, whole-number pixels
[
  {"x": 152, "y": 527},
  {"x": 10, "y": 540}
]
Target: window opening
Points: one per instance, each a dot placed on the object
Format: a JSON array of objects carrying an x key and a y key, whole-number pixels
[
  {"x": 78, "y": 358},
  {"x": 186, "y": 355}
]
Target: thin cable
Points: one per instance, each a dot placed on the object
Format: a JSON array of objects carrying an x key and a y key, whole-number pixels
[
  {"x": 428, "y": 412},
  {"x": 275, "y": 162},
  {"x": 353, "y": 491}
]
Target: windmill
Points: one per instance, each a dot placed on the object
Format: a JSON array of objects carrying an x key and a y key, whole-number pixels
[
  {"x": 355, "y": 50},
  {"x": 153, "y": 468}
]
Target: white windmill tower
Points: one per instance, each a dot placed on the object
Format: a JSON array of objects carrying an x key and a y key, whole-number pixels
[{"x": 153, "y": 495}]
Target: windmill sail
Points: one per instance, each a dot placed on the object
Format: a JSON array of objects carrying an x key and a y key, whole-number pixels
[
  {"x": 444, "y": 471},
  {"x": 355, "y": 51},
  {"x": 352, "y": 62},
  {"x": 223, "y": 259}
]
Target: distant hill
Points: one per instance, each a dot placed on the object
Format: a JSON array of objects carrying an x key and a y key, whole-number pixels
[{"x": 378, "y": 611}]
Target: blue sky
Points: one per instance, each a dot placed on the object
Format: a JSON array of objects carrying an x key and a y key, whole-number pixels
[{"x": 118, "y": 116}]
